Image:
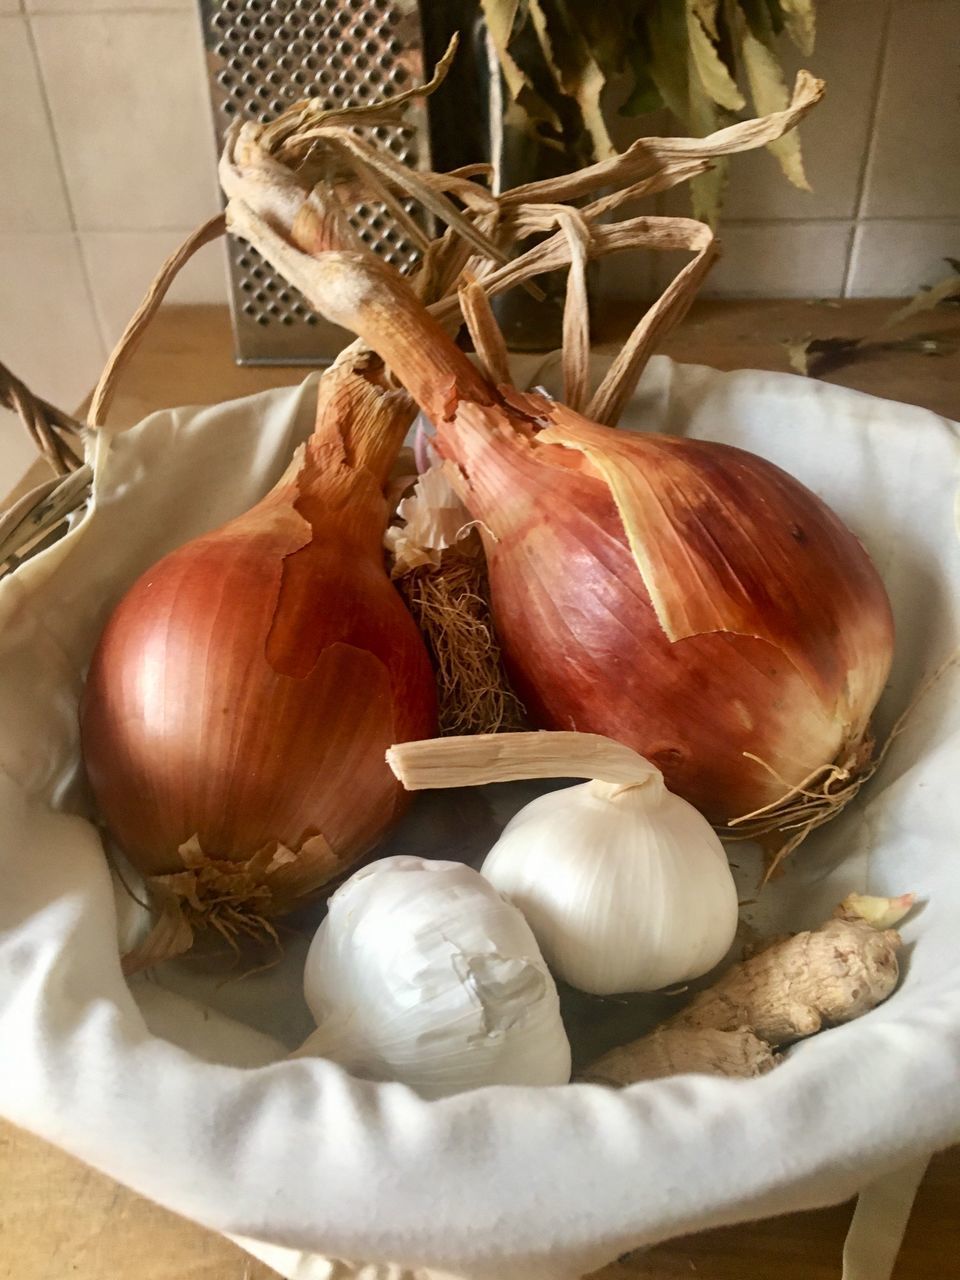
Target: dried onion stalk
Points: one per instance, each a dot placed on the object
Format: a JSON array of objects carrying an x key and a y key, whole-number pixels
[{"x": 687, "y": 598}]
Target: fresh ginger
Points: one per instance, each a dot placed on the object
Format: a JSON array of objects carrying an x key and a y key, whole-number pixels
[
  {"x": 670, "y": 1051},
  {"x": 790, "y": 989}
]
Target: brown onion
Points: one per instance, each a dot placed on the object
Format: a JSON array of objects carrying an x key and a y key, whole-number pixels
[
  {"x": 686, "y": 598},
  {"x": 245, "y": 689}
]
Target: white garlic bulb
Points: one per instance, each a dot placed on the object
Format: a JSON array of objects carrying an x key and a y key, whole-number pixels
[
  {"x": 625, "y": 885},
  {"x": 421, "y": 973}
]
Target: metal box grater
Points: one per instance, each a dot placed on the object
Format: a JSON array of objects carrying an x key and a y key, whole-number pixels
[{"x": 263, "y": 55}]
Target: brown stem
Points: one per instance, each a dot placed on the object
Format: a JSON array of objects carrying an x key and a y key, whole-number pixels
[{"x": 477, "y": 759}]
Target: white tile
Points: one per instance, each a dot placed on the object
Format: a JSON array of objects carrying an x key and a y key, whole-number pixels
[
  {"x": 913, "y": 169},
  {"x": 49, "y": 336},
  {"x": 129, "y": 102},
  {"x": 31, "y": 190},
  {"x": 775, "y": 260},
  {"x": 122, "y": 264},
  {"x": 893, "y": 259}
]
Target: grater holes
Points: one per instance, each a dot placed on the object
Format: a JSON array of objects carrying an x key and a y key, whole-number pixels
[{"x": 229, "y": 108}]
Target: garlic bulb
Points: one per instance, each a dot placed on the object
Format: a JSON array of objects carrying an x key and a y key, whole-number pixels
[
  {"x": 421, "y": 973},
  {"x": 625, "y": 885}
]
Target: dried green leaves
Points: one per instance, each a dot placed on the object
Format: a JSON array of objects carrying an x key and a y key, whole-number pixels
[{"x": 699, "y": 58}]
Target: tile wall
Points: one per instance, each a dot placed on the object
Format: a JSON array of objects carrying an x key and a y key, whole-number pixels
[{"x": 108, "y": 162}]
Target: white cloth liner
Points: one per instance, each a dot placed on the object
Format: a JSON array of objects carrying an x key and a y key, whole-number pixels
[{"x": 298, "y": 1159}]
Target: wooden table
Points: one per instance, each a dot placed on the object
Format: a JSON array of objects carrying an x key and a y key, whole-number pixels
[{"x": 60, "y": 1219}]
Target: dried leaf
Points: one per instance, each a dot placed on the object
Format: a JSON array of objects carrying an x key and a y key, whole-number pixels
[
  {"x": 644, "y": 96},
  {"x": 706, "y": 11},
  {"x": 769, "y": 92},
  {"x": 667, "y": 36},
  {"x": 816, "y": 357},
  {"x": 800, "y": 19},
  {"x": 927, "y": 299},
  {"x": 705, "y": 117},
  {"x": 501, "y": 16},
  {"x": 573, "y": 66},
  {"x": 707, "y": 64}
]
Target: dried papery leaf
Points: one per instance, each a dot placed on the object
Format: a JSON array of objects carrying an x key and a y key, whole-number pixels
[
  {"x": 926, "y": 300},
  {"x": 672, "y": 175},
  {"x": 431, "y": 519},
  {"x": 710, "y": 68},
  {"x": 516, "y": 757},
  {"x": 816, "y": 357},
  {"x": 704, "y": 116},
  {"x": 278, "y": 136},
  {"x": 573, "y": 66},
  {"x": 502, "y": 25},
  {"x": 426, "y": 192},
  {"x": 666, "y": 27},
  {"x": 647, "y": 156},
  {"x": 365, "y": 168},
  {"x": 485, "y": 332},
  {"x": 801, "y": 22},
  {"x": 576, "y": 312},
  {"x": 706, "y": 11},
  {"x": 621, "y": 378},
  {"x": 768, "y": 90}
]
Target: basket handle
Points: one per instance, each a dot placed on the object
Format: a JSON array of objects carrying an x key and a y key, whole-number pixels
[
  {"x": 55, "y": 433},
  {"x": 58, "y": 436},
  {"x": 132, "y": 335}
]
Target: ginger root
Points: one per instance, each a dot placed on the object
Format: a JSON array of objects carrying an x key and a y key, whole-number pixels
[
  {"x": 671, "y": 1051},
  {"x": 791, "y": 989}
]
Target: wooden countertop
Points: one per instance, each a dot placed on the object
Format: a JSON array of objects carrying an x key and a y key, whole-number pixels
[{"x": 58, "y": 1218}]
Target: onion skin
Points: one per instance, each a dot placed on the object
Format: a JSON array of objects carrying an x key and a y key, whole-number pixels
[
  {"x": 586, "y": 650},
  {"x": 246, "y": 687},
  {"x": 640, "y": 587}
]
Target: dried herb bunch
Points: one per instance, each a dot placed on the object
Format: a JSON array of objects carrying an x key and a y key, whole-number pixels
[{"x": 702, "y": 59}]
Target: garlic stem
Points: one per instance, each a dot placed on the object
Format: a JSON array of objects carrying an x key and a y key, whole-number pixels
[{"x": 515, "y": 757}]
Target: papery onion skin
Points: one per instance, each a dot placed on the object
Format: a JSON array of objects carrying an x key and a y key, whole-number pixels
[
  {"x": 585, "y": 649},
  {"x": 246, "y": 687}
]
